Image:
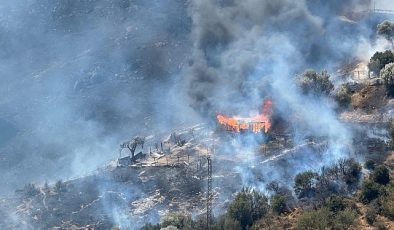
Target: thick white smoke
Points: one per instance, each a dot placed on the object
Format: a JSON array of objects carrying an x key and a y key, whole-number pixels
[{"x": 244, "y": 51}]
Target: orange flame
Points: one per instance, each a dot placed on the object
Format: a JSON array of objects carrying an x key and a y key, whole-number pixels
[{"x": 256, "y": 124}]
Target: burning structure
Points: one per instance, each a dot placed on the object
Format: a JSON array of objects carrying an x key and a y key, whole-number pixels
[{"x": 255, "y": 124}]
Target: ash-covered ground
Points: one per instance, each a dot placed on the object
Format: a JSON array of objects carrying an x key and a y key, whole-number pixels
[{"x": 167, "y": 180}]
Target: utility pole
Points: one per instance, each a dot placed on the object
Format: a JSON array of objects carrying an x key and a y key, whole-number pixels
[{"x": 209, "y": 193}]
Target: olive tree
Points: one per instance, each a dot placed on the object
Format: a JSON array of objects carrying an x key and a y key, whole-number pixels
[
  {"x": 381, "y": 175},
  {"x": 386, "y": 29},
  {"x": 315, "y": 83},
  {"x": 387, "y": 74},
  {"x": 305, "y": 184},
  {"x": 248, "y": 206},
  {"x": 379, "y": 60}
]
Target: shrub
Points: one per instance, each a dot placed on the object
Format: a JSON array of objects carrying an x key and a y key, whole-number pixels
[
  {"x": 369, "y": 164},
  {"x": 149, "y": 227},
  {"x": 272, "y": 222},
  {"x": 60, "y": 186},
  {"x": 177, "y": 220},
  {"x": 30, "y": 190},
  {"x": 318, "y": 219},
  {"x": 370, "y": 215},
  {"x": 335, "y": 204},
  {"x": 369, "y": 191},
  {"x": 46, "y": 188},
  {"x": 273, "y": 186},
  {"x": 278, "y": 204},
  {"x": 381, "y": 175},
  {"x": 170, "y": 228},
  {"x": 351, "y": 171},
  {"x": 343, "y": 96},
  {"x": 344, "y": 219},
  {"x": 388, "y": 202},
  {"x": 380, "y": 226},
  {"x": 226, "y": 223}
]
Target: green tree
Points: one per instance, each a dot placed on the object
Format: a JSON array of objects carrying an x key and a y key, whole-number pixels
[
  {"x": 335, "y": 204},
  {"x": 344, "y": 219},
  {"x": 387, "y": 74},
  {"x": 304, "y": 184},
  {"x": 386, "y": 29},
  {"x": 379, "y": 60},
  {"x": 177, "y": 220},
  {"x": 387, "y": 202},
  {"x": 248, "y": 206},
  {"x": 369, "y": 164},
  {"x": 369, "y": 191},
  {"x": 314, "y": 220},
  {"x": 225, "y": 222},
  {"x": 351, "y": 171},
  {"x": 343, "y": 96},
  {"x": 381, "y": 175},
  {"x": 315, "y": 83},
  {"x": 278, "y": 204}
]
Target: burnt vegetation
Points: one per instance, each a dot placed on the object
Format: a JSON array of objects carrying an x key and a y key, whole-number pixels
[
  {"x": 169, "y": 190},
  {"x": 328, "y": 200}
]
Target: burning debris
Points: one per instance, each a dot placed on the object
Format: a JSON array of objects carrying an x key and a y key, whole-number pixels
[{"x": 255, "y": 124}]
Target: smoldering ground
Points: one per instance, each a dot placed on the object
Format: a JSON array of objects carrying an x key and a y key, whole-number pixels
[{"x": 81, "y": 76}]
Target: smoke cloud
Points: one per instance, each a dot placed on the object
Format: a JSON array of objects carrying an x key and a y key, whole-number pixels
[
  {"x": 245, "y": 51},
  {"x": 80, "y": 76}
]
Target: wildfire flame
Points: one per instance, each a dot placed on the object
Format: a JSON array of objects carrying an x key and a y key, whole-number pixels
[{"x": 255, "y": 124}]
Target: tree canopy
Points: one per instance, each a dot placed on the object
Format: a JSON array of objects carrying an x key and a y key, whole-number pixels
[
  {"x": 387, "y": 74},
  {"x": 304, "y": 184},
  {"x": 379, "y": 60},
  {"x": 381, "y": 175},
  {"x": 248, "y": 206},
  {"x": 386, "y": 29},
  {"x": 315, "y": 83}
]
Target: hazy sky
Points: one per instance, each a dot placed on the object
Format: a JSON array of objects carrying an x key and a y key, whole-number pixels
[{"x": 384, "y": 4}]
